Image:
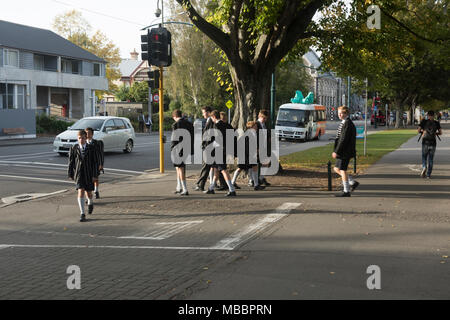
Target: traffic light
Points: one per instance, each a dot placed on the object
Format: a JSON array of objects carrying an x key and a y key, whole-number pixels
[
  {"x": 145, "y": 46},
  {"x": 160, "y": 47},
  {"x": 153, "y": 79}
]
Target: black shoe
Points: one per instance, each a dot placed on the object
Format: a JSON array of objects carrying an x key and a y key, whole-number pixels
[
  {"x": 222, "y": 188},
  {"x": 97, "y": 195},
  {"x": 184, "y": 193},
  {"x": 83, "y": 218},
  {"x": 343, "y": 194},
  {"x": 90, "y": 208},
  {"x": 197, "y": 188},
  {"x": 354, "y": 185},
  {"x": 264, "y": 182},
  {"x": 236, "y": 186},
  {"x": 209, "y": 192},
  {"x": 231, "y": 194},
  {"x": 259, "y": 188}
]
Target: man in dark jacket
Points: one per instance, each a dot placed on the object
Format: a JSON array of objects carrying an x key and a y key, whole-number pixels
[
  {"x": 181, "y": 123},
  {"x": 81, "y": 169},
  {"x": 204, "y": 173},
  {"x": 344, "y": 150}
]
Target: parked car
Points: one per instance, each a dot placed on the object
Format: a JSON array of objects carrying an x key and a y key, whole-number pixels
[{"x": 116, "y": 133}]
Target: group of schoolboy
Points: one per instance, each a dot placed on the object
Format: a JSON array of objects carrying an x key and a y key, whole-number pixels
[{"x": 218, "y": 170}]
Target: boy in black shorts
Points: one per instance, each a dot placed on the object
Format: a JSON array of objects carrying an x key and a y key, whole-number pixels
[
  {"x": 99, "y": 157},
  {"x": 344, "y": 150}
]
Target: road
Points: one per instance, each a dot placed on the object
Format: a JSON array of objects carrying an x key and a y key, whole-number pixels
[{"x": 29, "y": 169}]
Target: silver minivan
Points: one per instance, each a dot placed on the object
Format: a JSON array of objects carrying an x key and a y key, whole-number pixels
[{"x": 117, "y": 134}]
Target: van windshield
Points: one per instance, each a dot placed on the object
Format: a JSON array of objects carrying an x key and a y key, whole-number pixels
[
  {"x": 82, "y": 124},
  {"x": 292, "y": 118}
]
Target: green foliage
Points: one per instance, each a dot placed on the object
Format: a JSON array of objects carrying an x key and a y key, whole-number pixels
[
  {"x": 123, "y": 94},
  {"x": 139, "y": 92},
  {"x": 45, "y": 124}
]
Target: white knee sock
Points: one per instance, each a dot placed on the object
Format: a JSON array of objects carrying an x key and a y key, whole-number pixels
[
  {"x": 346, "y": 186},
  {"x": 81, "y": 205},
  {"x": 350, "y": 180},
  {"x": 212, "y": 185},
  {"x": 90, "y": 200},
  {"x": 96, "y": 189},
  {"x": 255, "y": 178},
  {"x": 230, "y": 186},
  {"x": 211, "y": 176},
  {"x": 235, "y": 176},
  {"x": 178, "y": 184},
  {"x": 184, "y": 185}
]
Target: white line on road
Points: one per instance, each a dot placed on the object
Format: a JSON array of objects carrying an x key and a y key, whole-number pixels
[
  {"x": 25, "y": 154},
  {"x": 32, "y": 178},
  {"x": 4, "y": 246},
  {"x": 244, "y": 235},
  {"x": 168, "y": 230}
]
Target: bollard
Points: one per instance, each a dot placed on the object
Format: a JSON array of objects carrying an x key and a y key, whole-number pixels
[{"x": 329, "y": 176}]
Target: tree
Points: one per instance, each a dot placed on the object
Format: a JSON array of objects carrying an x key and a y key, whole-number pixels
[
  {"x": 254, "y": 36},
  {"x": 139, "y": 92},
  {"x": 75, "y": 28},
  {"x": 198, "y": 75},
  {"x": 407, "y": 61}
]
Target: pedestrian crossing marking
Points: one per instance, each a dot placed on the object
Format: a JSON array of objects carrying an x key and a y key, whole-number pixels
[{"x": 165, "y": 230}]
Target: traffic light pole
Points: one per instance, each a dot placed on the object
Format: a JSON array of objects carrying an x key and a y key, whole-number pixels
[{"x": 161, "y": 121}]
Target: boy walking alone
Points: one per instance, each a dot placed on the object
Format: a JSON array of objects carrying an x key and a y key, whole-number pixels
[
  {"x": 429, "y": 129},
  {"x": 344, "y": 150},
  {"x": 82, "y": 171}
]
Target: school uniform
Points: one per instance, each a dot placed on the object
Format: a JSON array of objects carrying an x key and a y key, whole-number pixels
[
  {"x": 82, "y": 166},
  {"x": 261, "y": 125},
  {"x": 182, "y": 123},
  {"x": 99, "y": 158},
  {"x": 204, "y": 173},
  {"x": 345, "y": 144}
]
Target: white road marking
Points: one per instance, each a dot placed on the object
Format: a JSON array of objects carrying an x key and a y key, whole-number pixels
[
  {"x": 50, "y": 246},
  {"x": 168, "y": 230},
  {"x": 33, "y": 178},
  {"x": 64, "y": 165},
  {"x": 28, "y": 196},
  {"x": 25, "y": 154},
  {"x": 244, "y": 235},
  {"x": 413, "y": 167}
]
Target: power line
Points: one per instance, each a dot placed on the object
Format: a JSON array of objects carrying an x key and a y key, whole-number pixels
[{"x": 98, "y": 13}]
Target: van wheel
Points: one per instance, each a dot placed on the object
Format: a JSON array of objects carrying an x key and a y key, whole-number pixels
[{"x": 128, "y": 146}]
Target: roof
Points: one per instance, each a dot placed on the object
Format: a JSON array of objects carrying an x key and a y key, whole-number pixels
[
  {"x": 18, "y": 36},
  {"x": 128, "y": 66}
]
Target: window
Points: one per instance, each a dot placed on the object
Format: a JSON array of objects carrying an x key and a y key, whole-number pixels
[
  {"x": 119, "y": 124},
  {"x": 38, "y": 62},
  {"x": 12, "y": 96},
  {"x": 66, "y": 66},
  {"x": 96, "y": 69},
  {"x": 109, "y": 124},
  {"x": 11, "y": 58}
]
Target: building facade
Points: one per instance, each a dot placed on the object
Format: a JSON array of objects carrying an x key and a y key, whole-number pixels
[{"x": 39, "y": 70}]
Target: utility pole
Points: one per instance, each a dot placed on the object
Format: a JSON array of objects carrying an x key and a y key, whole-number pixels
[
  {"x": 161, "y": 121},
  {"x": 365, "y": 123},
  {"x": 272, "y": 102}
]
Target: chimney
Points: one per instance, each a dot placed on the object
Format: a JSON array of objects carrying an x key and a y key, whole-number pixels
[{"x": 134, "y": 55}]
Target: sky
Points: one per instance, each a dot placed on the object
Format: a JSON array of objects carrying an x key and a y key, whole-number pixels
[{"x": 120, "y": 21}]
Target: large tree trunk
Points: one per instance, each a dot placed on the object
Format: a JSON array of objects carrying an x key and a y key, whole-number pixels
[{"x": 251, "y": 94}]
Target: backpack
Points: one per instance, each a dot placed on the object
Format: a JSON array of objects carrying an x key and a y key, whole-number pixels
[{"x": 429, "y": 132}]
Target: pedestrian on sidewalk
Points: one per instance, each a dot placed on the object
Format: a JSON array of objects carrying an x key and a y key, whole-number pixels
[
  {"x": 220, "y": 167},
  {"x": 429, "y": 129},
  {"x": 148, "y": 123},
  {"x": 181, "y": 123},
  {"x": 204, "y": 173},
  {"x": 141, "y": 121},
  {"x": 344, "y": 150},
  {"x": 82, "y": 170},
  {"x": 263, "y": 115},
  {"x": 99, "y": 158},
  {"x": 250, "y": 168}
]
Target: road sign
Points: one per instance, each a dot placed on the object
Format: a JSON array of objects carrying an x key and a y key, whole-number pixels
[
  {"x": 229, "y": 104},
  {"x": 156, "y": 97}
]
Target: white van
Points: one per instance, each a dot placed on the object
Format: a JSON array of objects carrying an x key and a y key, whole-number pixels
[
  {"x": 299, "y": 121},
  {"x": 116, "y": 133}
]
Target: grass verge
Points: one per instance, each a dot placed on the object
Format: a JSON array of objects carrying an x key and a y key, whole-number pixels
[{"x": 378, "y": 144}]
